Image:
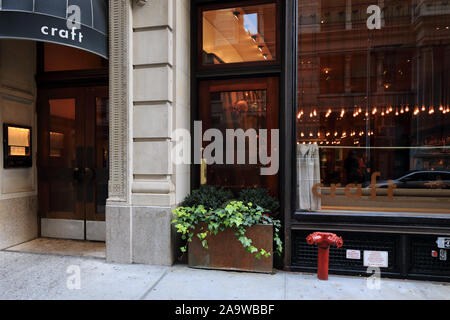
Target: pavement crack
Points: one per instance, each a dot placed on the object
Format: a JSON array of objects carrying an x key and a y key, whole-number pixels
[{"x": 154, "y": 285}]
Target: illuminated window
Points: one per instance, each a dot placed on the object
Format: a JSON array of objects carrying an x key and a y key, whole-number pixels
[
  {"x": 241, "y": 34},
  {"x": 17, "y": 146}
]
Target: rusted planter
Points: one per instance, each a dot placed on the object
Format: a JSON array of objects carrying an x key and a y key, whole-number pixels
[{"x": 225, "y": 252}]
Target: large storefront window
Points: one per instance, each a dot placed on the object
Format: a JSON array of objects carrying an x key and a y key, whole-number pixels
[{"x": 373, "y": 122}]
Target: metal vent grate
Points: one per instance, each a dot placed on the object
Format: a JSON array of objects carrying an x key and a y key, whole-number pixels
[
  {"x": 422, "y": 262},
  {"x": 304, "y": 255}
]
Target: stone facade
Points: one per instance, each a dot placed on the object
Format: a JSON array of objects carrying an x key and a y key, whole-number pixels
[
  {"x": 18, "y": 189},
  {"x": 150, "y": 97}
]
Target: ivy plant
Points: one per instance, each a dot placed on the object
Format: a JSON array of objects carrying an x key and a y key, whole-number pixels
[{"x": 235, "y": 215}]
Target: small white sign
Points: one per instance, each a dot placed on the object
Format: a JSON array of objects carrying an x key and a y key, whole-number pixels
[
  {"x": 376, "y": 259},
  {"x": 443, "y": 243},
  {"x": 443, "y": 255},
  {"x": 354, "y": 254}
]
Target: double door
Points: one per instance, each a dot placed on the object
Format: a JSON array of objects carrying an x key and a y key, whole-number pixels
[{"x": 73, "y": 170}]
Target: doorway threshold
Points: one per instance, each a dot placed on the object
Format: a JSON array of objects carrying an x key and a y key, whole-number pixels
[{"x": 62, "y": 247}]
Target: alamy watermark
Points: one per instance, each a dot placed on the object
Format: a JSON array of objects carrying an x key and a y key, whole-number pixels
[
  {"x": 232, "y": 147},
  {"x": 74, "y": 279}
]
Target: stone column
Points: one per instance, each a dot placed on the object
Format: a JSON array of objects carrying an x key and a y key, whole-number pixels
[
  {"x": 118, "y": 209},
  {"x": 159, "y": 52}
]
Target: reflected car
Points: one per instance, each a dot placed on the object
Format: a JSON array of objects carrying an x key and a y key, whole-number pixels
[{"x": 419, "y": 180}]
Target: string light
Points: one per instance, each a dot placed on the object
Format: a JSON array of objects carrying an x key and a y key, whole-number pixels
[{"x": 431, "y": 110}]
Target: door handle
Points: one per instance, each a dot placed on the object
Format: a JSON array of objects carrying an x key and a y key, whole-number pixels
[
  {"x": 78, "y": 174},
  {"x": 89, "y": 173}
]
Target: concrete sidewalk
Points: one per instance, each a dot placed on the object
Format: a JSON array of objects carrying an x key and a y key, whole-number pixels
[{"x": 40, "y": 276}]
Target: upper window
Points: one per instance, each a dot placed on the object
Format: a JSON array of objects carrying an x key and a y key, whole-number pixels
[
  {"x": 373, "y": 122},
  {"x": 239, "y": 34}
]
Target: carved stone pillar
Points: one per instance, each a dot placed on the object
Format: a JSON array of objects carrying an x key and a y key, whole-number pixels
[{"x": 118, "y": 209}]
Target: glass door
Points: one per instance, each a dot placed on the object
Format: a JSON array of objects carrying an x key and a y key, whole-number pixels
[
  {"x": 73, "y": 162},
  {"x": 241, "y": 110}
]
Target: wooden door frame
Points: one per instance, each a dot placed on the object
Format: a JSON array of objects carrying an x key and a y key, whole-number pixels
[{"x": 286, "y": 70}]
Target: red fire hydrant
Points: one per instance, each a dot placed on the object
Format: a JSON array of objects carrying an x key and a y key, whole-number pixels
[{"x": 323, "y": 241}]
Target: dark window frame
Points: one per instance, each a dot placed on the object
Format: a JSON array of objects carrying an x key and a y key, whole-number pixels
[
  {"x": 347, "y": 219},
  {"x": 217, "y": 5}
]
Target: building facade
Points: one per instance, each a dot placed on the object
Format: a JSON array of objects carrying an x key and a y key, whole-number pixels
[{"x": 357, "y": 92}]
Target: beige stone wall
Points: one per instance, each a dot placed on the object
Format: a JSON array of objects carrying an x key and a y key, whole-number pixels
[
  {"x": 18, "y": 189},
  {"x": 161, "y": 100}
]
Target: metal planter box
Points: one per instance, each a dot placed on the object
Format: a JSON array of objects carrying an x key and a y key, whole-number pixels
[{"x": 225, "y": 252}]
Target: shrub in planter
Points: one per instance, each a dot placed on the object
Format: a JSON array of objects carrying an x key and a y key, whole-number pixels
[
  {"x": 236, "y": 215},
  {"x": 208, "y": 196},
  {"x": 260, "y": 197}
]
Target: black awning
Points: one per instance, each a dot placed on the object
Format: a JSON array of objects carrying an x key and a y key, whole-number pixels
[{"x": 46, "y": 20}]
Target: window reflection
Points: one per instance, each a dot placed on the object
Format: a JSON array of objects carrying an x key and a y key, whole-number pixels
[
  {"x": 238, "y": 110},
  {"x": 376, "y": 103}
]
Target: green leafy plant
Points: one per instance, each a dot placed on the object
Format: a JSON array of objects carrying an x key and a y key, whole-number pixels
[
  {"x": 208, "y": 196},
  {"x": 235, "y": 215},
  {"x": 260, "y": 197}
]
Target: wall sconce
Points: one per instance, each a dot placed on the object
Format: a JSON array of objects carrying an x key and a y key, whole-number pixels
[{"x": 17, "y": 146}]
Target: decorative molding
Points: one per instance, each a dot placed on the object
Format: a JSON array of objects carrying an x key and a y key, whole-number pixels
[
  {"x": 119, "y": 93},
  {"x": 140, "y": 3}
]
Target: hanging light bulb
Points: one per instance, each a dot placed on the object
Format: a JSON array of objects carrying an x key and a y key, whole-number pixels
[
  {"x": 441, "y": 108},
  {"x": 396, "y": 112},
  {"x": 423, "y": 108},
  {"x": 315, "y": 113},
  {"x": 402, "y": 110},
  {"x": 302, "y": 134},
  {"x": 342, "y": 112},
  {"x": 391, "y": 109},
  {"x": 374, "y": 111},
  {"x": 416, "y": 111},
  {"x": 407, "y": 109},
  {"x": 431, "y": 110}
]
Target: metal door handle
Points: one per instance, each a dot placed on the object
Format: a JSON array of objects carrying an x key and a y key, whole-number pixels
[{"x": 78, "y": 174}]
